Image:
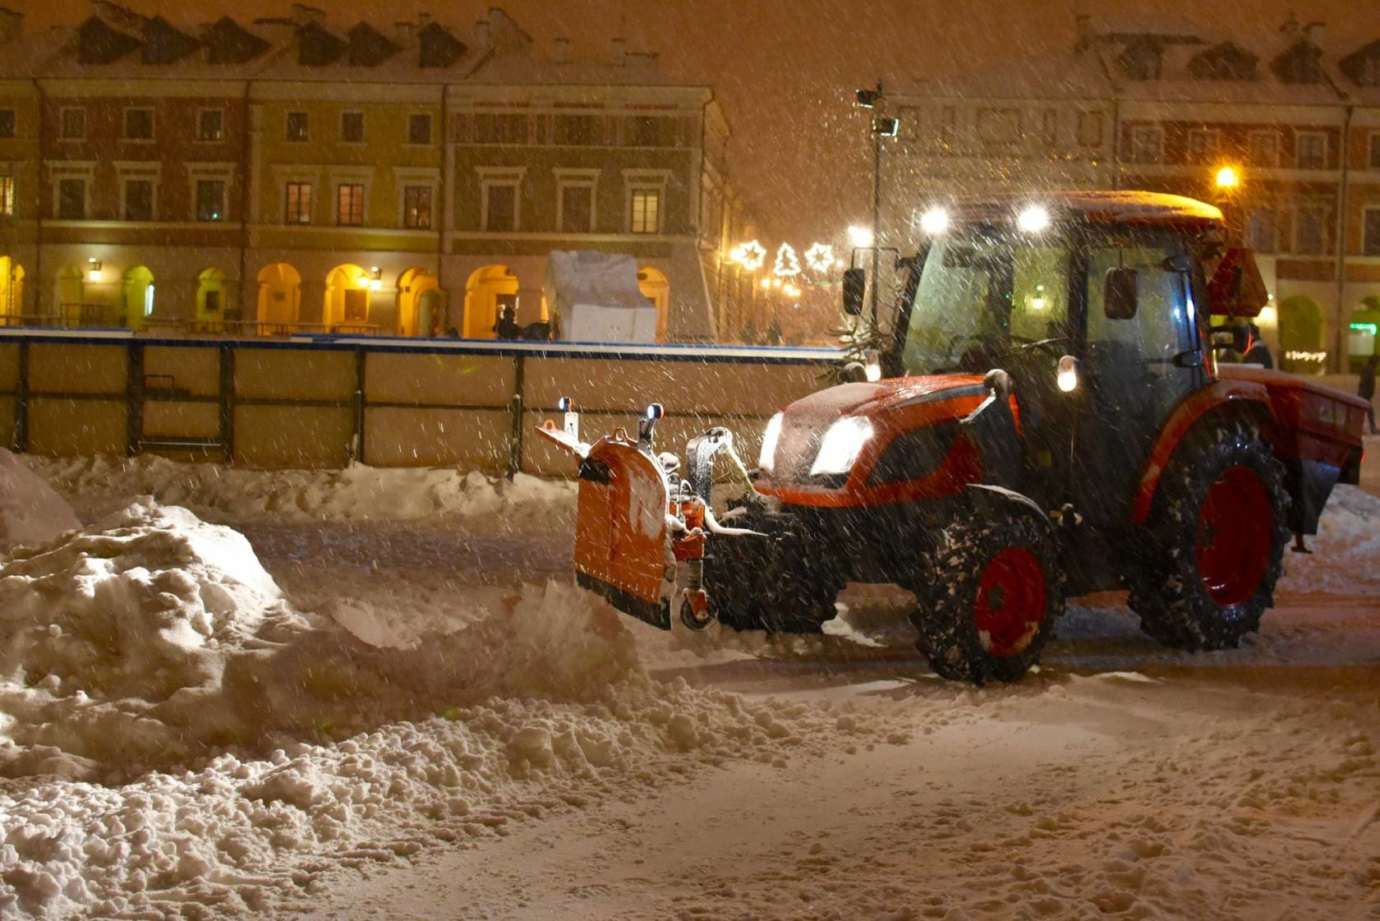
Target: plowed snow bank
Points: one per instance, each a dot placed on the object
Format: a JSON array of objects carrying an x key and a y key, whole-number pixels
[{"x": 30, "y": 511}]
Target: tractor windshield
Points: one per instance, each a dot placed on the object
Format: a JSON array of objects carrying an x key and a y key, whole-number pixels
[{"x": 982, "y": 293}]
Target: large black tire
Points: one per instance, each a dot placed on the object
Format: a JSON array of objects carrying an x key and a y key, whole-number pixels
[
  {"x": 989, "y": 595},
  {"x": 776, "y": 583},
  {"x": 1214, "y": 543}
]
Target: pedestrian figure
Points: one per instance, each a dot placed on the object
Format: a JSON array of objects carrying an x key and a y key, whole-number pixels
[
  {"x": 507, "y": 327},
  {"x": 1257, "y": 352},
  {"x": 1366, "y": 389}
]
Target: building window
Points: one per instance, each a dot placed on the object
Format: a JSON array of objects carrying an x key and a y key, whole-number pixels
[
  {"x": 998, "y": 126},
  {"x": 6, "y": 123},
  {"x": 210, "y": 125},
  {"x": 298, "y": 127},
  {"x": 73, "y": 124},
  {"x": 1090, "y": 129},
  {"x": 71, "y": 205},
  {"x": 138, "y": 125},
  {"x": 577, "y": 208},
  {"x": 1261, "y": 233},
  {"x": 579, "y": 130},
  {"x": 1049, "y": 127},
  {"x": 352, "y": 127},
  {"x": 298, "y": 210},
  {"x": 491, "y": 128},
  {"x": 948, "y": 126},
  {"x": 500, "y": 206},
  {"x": 417, "y": 207},
  {"x": 1147, "y": 142},
  {"x": 6, "y": 196},
  {"x": 419, "y": 129},
  {"x": 210, "y": 200},
  {"x": 138, "y": 201},
  {"x": 349, "y": 204},
  {"x": 1202, "y": 145},
  {"x": 645, "y": 216},
  {"x": 1310, "y": 150},
  {"x": 1374, "y": 158},
  {"x": 1264, "y": 148},
  {"x": 1370, "y": 238},
  {"x": 1308, "y": 231}
]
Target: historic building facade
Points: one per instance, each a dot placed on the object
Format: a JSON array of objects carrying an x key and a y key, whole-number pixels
[
  {"x": 292, "y": 175},
  {"x": 1168, "y": 109}
]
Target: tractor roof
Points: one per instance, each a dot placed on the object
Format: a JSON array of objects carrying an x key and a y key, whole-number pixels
[{"x": 1111, "y": 207}]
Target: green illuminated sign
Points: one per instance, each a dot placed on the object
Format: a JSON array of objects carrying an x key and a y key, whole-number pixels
[{"x": 1366, "y": 327}]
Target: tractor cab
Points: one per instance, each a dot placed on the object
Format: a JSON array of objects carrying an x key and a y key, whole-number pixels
[{"x": 1092, "y": 303}]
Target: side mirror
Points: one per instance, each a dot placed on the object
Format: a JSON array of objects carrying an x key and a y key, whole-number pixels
[
  {"x": 1119, "y": 294},
  {"x": 854, "y": 286}
]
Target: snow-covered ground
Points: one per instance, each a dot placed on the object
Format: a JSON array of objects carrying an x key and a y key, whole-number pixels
[{"x": 379, "y": 702}]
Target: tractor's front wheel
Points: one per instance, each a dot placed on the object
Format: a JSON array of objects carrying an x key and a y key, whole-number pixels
[
  {"x": 1215, "y": 541},
  {"x": 990, "y": 594}
]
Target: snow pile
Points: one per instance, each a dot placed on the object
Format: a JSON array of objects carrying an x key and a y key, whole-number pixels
[
  {"x": 357, "y": 493},
  {"x": 30, "y": 511},
  {"x": 1345, "y": 550}
]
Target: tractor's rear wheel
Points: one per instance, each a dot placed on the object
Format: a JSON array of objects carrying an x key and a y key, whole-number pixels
[
  {"x": 1215, "y": 541},
  {"x": 775, "y": 583},
  {"x": 990, "y": 594}
]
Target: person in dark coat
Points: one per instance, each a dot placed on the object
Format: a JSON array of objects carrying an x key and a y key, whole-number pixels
[
  {"x": 1366, "y": 389},
  {"x": 1257, "y": 352}
]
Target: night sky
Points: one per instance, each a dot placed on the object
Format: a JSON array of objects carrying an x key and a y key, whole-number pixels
[{"x": 785, "y": 71}]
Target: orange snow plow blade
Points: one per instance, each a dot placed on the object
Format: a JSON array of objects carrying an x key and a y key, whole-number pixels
[{"x": 620, "y": 527}]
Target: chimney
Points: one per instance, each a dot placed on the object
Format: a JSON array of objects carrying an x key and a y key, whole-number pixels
[
  {"x": 11, "y": 24},
  {"x": 483, "y": 35},
  {"x": 562, "y": 53},
  {"x": 618, "y": 51},
  {"x": 1315, "y": 33}
]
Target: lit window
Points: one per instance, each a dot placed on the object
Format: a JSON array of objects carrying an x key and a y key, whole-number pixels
[
  {"x": 646, "y": 211},
  {"x": 352, "y": 127},
  {"x": 138, "y": 124},
  {"x": 417, "y": 207},
  {"x": 210, "y": 200},
  {"x": 297, "y": 126},
  {"x": 349, "y": 204},
  {"x": 298, "y": 209},
  {"x": 6, "y": 196}
]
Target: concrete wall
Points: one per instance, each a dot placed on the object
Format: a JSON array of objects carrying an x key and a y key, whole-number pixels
[{"x": 389, "y": 403}]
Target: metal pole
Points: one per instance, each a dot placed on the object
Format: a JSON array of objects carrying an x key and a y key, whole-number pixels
[{"x": 876, "y": 206}]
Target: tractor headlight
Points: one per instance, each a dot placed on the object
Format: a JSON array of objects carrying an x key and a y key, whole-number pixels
[
  {"x": 767, "y": 458},
  {"x": 841, "y": 445}
]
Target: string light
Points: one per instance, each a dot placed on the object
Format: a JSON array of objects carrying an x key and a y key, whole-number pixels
[
  {"x": 787, "y": 262},
  {"x": 749, "y": 255},
  {"x": 820, "y": 257}
]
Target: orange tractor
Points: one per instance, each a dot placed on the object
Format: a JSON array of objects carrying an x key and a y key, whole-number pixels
[{"x": 1046, "y": 417}]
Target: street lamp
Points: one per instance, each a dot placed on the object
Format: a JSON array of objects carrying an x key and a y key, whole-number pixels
[
  {"x": 1227, "y": 178},
  {"x": 882, "y": 127}
]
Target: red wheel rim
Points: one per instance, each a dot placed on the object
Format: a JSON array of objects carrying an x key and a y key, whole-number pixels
[
  {"x": 1235, "y": 528},
  {"x": 1010, "y": 602}
]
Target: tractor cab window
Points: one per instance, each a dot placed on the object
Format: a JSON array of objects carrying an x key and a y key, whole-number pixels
[{"x": 980, "y": 296}]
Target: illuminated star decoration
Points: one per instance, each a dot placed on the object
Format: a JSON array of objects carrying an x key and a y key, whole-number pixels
[
  {"x": 787, "y": 262},
  {"x": 749, "y": 255},
  {"x": 820, "y": 257}
]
